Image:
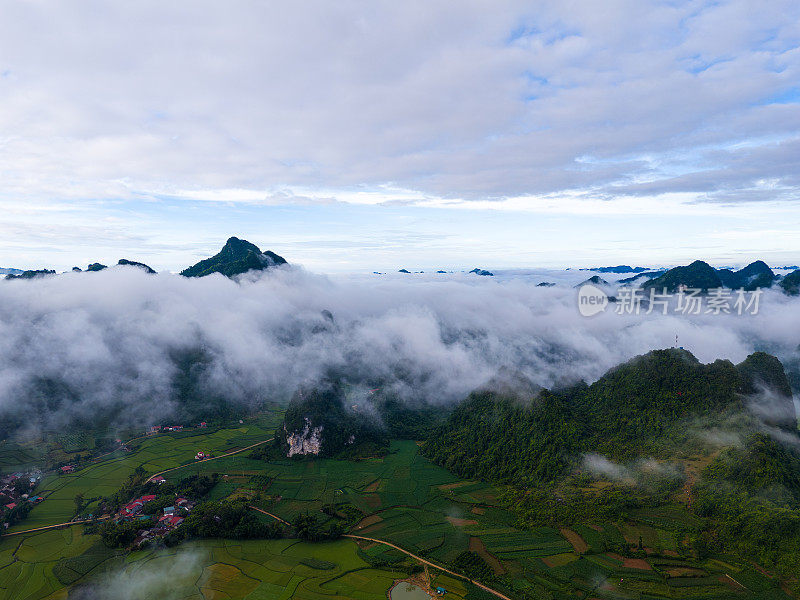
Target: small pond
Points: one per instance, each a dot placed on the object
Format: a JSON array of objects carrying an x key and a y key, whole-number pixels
[{"x": 408, "y": 591}]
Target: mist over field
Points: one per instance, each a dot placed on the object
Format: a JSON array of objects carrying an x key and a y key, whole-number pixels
[{"x": 79, "y": 345}]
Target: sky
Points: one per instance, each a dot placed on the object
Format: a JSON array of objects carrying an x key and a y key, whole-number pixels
[{"x": 355, "y": 136}]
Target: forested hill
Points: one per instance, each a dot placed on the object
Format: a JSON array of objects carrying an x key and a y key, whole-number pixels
[
  {"x": 319, "y": 421},
  {"x": 650, "y": 405}
]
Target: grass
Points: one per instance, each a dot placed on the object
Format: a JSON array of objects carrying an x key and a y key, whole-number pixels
[
  {"x": 203, "y": 570},
  {"x": 16, "y": 457},
  {"x": 401, "y": 498},
  {"x": 154, "y": 454}
]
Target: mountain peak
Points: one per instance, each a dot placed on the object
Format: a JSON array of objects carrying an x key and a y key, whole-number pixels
[
  {"x": 236, "y": 245},
  {"x": 237, "y": 256},
  {"x": 698, "y": 275}
]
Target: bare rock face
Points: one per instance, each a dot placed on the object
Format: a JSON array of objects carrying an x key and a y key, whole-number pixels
[
  {"x": 320, "y": 421},
  {"x": 306, "y": 441}
]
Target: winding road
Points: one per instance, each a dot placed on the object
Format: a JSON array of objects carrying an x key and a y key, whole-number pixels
[
  {"x": 406, "y": 552},
  {"x": 67, "y": 524},
  {"x": 277, "y": 518}
]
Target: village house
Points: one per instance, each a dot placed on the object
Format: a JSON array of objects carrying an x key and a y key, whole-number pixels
[
  {"x": 68, "y": 469},
  {"x": 158, "y": 479},
  {"x": 134, "y": 507},
  {"x": 170, "y": 521}
]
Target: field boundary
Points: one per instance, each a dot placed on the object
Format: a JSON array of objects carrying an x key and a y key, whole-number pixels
[
  {"x": 46, "y": 527},
  {"x": 205, "y": 460},
  {"x": 414, "y": 556}
]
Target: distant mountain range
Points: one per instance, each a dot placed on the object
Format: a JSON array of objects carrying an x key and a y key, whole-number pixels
[
  {"x": 239, "y": 256},
  {"x": 643, "y": 275},
  {"x": 617, "y": 269},
  {"x": 236, "y": 257},
  {"x": 701, "y": 275},
  {"x": 30, "y": 274}
]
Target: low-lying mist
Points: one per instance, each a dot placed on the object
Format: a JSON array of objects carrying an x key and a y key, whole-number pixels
[{"x": 120, "y": 341}]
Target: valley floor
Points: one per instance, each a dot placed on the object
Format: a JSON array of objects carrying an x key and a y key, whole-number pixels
[{"x": 402, "y": 499}]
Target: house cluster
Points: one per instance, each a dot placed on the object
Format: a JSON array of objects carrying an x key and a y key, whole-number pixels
[
  {"x": 172, "y": 517},
  {"x": 67, "y": 469},
  {"x": 16, "y": 488},
  {"x": 202, "y": 455}
]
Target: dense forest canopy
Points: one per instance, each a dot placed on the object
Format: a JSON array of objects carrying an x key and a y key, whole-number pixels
[{"x": 644, "y": 406}]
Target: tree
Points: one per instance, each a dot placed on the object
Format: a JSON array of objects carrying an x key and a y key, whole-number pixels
[
  {"x": 78, "y": 502},
  {"x": 22, "y": 486}
]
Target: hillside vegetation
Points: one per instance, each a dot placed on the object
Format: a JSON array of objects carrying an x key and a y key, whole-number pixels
[{"x": 650, "y": 405}]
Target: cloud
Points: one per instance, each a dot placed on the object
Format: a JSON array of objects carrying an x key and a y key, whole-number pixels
[
  {"x": 459, "y": 102},
  {"x": 81, "y": 346},
  {"x": 171, "y": 574},
  {"x": 599, "y": 465},
  {"x": 645, "y": 471}
]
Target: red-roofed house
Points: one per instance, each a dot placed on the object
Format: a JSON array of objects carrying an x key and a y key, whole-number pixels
[
  {"x": 11, "y": 506},
  {"x": 68, "y": 469},
  {"x": 134, "y": 507}
]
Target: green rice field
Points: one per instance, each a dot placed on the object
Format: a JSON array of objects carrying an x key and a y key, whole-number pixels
[{"x": 401, "y": 498}]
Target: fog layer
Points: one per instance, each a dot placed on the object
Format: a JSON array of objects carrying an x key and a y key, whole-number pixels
[{"x": 74, "y": 345}]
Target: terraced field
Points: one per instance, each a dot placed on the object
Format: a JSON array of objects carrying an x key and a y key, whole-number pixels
[
  {"x": 201, "y": 570},
  {"x": 17, "y": 457},
  {"x": 26, "y": 562},
  {"x": 157, "y": 453},
  {"x": 401, "y": 498},
  {"x": 406, "y": 500}
]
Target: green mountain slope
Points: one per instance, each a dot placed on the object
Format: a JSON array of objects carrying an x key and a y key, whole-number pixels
[
  {"x": 791, "y": 283},
  {"x": 320, "y": 421},
  {"x": 698, "y": 275},
  {"x": 133, "y": 263},
  {"x": 643, "y": 407},
  {"x": 236, "y": 257}
]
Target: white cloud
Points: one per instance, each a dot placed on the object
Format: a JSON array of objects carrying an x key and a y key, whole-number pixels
[
  {"x": 464, "y": 101},
  {"x": 112, "y": 335}
]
